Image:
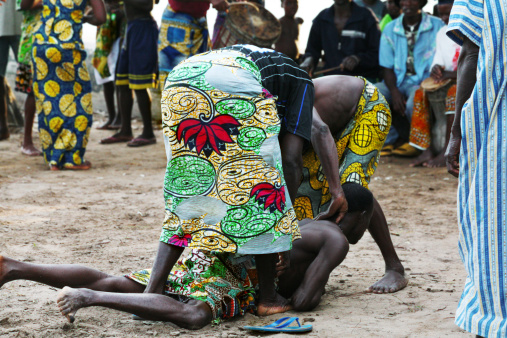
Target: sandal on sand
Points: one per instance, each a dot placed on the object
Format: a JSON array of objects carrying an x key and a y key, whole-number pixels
[
  {"x": 282, "y": 325},
  {"x": 141, "y": 142},
  {"x": 406, "y": 150},
  {"x": 387, "y": 150},
  {"x": 115, "y": 139}
]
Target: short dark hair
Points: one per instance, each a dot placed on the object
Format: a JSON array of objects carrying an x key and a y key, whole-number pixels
[
  {"x": 422, "y": 3},
  {"x": 358, "y": 197}
]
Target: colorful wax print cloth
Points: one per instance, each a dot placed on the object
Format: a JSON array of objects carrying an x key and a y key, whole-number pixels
[
  {"x": 107, "y": 34},
  {"x": 61, "y": 83},
  {"x": 440, "y": 102},
  {"x": 224, "y": 186},
  {"x": 358, "y": 148},
  {"x": 482, "y": 207},
  {"x": 30, "y": 20},
  {"x": 137, "y": 65},
  {"x": 23, "y": 82},
  {"x": 181, "y": 36},
  {"x": 220, "y": 280}
]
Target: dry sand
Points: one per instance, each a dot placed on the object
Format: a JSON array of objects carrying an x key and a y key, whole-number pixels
[{"x": 109, "y": 218}]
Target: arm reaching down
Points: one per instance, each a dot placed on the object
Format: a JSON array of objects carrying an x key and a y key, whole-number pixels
[
  {"x": 292, "y": 160},
  {"x": 467, "y": 67},
  {"x": 324, "y": 145}
]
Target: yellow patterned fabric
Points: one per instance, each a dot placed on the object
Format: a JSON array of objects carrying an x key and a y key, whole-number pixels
[
  {"x": 358, "y": 148},
  {"x": 224, "y": 186},
  {"x": 61, "y": 83}
]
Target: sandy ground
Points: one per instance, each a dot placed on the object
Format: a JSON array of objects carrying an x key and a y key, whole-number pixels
[{"x": 109, "y": 218}]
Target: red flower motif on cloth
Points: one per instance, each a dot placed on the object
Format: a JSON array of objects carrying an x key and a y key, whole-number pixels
[
  {"x": 180, "y": 241},
  {"x": 269, "y": 196},
  {"x": 208, "y": 136}
]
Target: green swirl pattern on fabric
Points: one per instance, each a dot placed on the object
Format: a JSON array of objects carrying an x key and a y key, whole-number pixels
[
  {"x": 201, "y": 83},
  {"x": 181, "y": 176},
  {"x": 237, "y": 108},
  {"x": 251, "y": 138},
  {"x": 250, "y": 66},
  {"x": 247, "y": 221},
  {"x": 188, "y": 71},
  {"x": 273, "y": 130}
]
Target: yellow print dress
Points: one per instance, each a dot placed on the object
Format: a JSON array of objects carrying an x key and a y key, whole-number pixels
[
  {"x": 62, "y": 85},
  {"x": 224, "y": 186}
]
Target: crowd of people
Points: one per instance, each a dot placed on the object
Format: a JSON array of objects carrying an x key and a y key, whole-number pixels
[{"x": 268, "y": 161}]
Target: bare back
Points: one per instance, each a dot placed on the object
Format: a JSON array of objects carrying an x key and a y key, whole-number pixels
[{"x": 336, "y": 98}]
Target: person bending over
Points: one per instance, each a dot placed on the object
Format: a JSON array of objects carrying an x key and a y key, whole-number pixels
[
  {"x": 350, "y": 122},
  {"x": 234, "y": 121},
  {"x": 206, "y": 287}
]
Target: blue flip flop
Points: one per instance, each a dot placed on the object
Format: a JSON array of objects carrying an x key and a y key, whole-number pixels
[{"x": 282, "y": 325}]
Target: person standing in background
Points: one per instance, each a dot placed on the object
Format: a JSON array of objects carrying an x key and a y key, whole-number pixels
[
  {"x": 184, "y": 32},
  {"x": 288, "y": 41},
  {"x": 24, "y": 76},
  {"x": 105, "y": 57},
  {"x": 61, "y": 83},
  {"x": 10, "y": 32}
]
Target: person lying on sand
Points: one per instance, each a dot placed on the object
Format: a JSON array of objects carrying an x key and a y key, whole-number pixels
[
  {"x": 206, "y": 287},
  {"x": 351, "y": 120}
]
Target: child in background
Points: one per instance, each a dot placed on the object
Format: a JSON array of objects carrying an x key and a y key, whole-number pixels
[
  {"x": 137, "y": 71},
  {"x": 105, "y": 57},
  {"x": 288, "y": 41},
  {"x": 24, "y": 73}
]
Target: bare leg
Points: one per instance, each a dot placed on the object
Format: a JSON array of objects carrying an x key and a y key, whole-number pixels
[
  {"x": 144, "y": 103},
  {"x": 60, "y": 275},
  {"x": 192, "y": 315},
  {"x": 439, "y": 160},
  {"x": 118, "y": 293},
  {"x": 126, "y": 103},
  {"x": 4, "y": 128},
  {"x": 167, "y": 256},
  {"x": 108, "y": 88},
  {"x": 270, "y": 302},
  {"x": 394, "y": 277},
  {"x": 117, "y": 120},
  {"x": 28, "y": 148}
]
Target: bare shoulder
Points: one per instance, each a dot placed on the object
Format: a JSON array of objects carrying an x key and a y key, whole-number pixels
[{"x": 299, "y": 21}]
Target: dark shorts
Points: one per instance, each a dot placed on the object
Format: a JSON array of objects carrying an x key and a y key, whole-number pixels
[{"x": 138, "y": 62}]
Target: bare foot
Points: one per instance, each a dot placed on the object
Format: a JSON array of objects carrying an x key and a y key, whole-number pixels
[
  {"x": 83, "y": 166},
  {"x": 30, "y": 151},
  {"x": 53, "y": 167},
  {"x": 391, "y": 282},
  {"x": 279, "y": 305},
  {"x": 70, "y": 300},
  {"x": 422, "y": 159},
  {"x": 438, "y": 161}
]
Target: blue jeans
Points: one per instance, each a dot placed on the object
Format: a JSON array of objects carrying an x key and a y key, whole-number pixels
[{"x": 400, "y": 127}]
